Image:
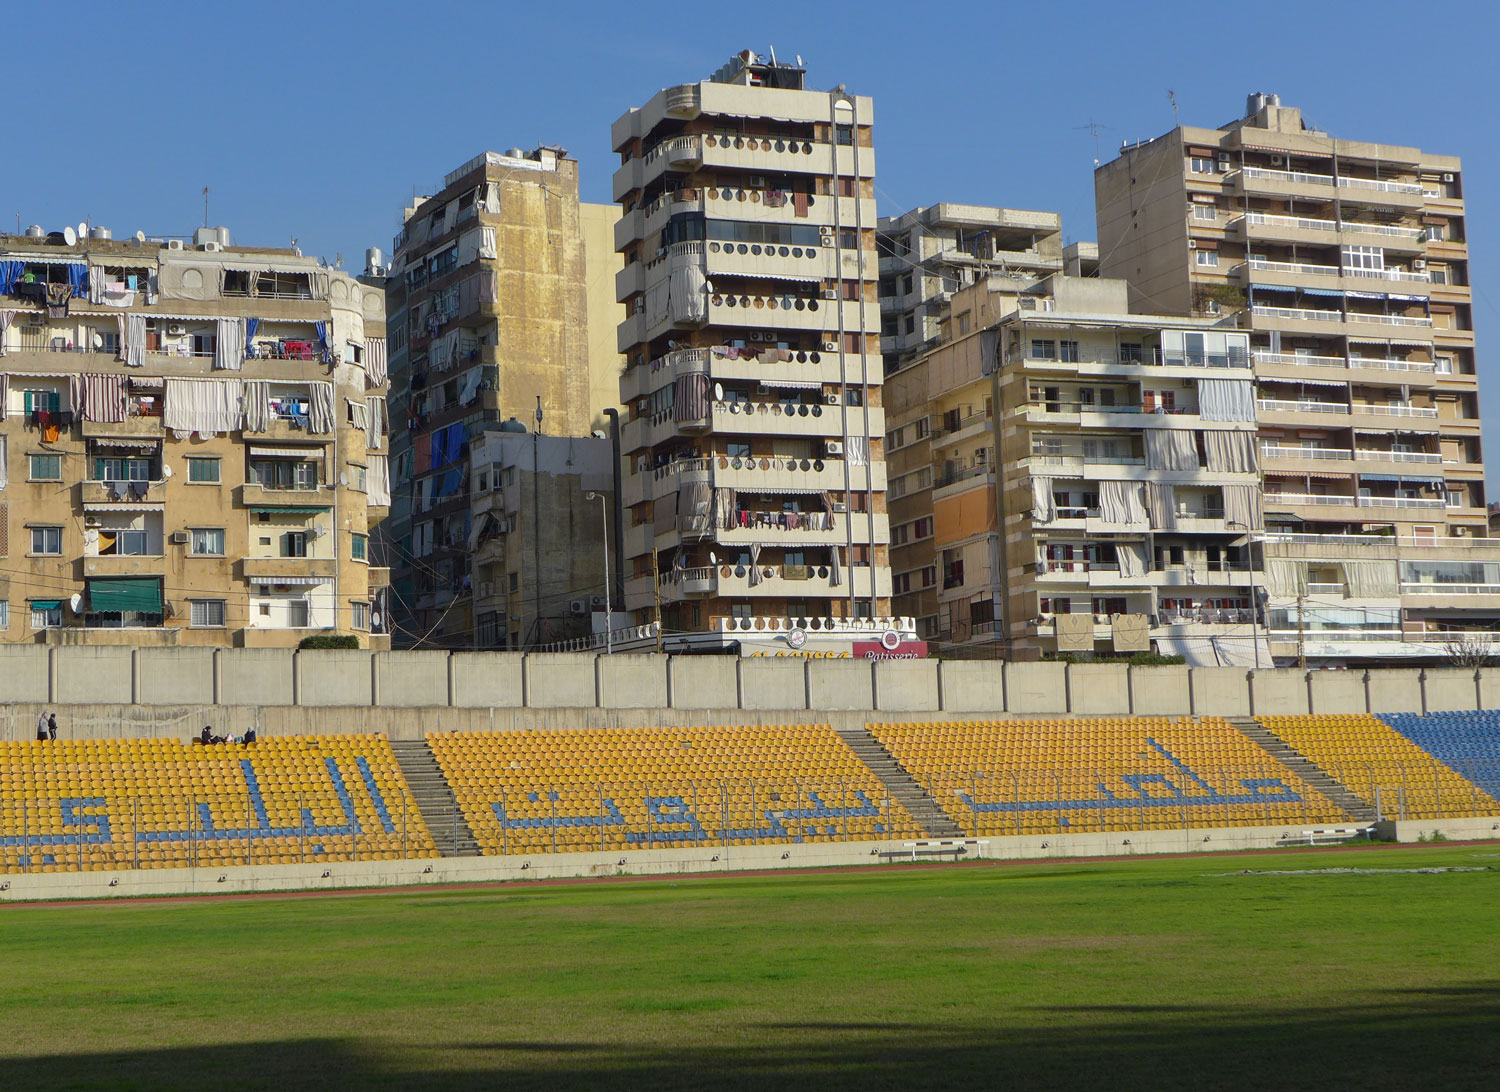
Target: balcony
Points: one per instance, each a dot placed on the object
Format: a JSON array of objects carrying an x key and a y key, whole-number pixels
[
  {"x": 262, "y": 496},
  {"x": 1283, "y": 405},
  {"x": 1364, "y": 409},
  {"x": 124, "y": 494},
  {"x": 144, "y": 427},
  {"x": 775, "y": 581},
  {"x": 765, "y": 528},
  {"x": 272, "y": 567},
  {"x": 1426, "y": 458},
  {"x": 1310, "y": 454},
  {"x": 1265, "y": 227},
  {"x": 1277, "y": 183},
  {"x": 1444, "y": 589}
]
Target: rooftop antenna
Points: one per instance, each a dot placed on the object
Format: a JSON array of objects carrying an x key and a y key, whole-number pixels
[
  {"x": 1093, "y": 127},
  {"x": 1172, "y": 98},
  {"x": 773, "y": 56},
  {"x": 205, "y": 206}
]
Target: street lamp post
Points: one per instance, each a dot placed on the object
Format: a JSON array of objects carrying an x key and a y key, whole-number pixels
[{"x": 609, "y": 612}]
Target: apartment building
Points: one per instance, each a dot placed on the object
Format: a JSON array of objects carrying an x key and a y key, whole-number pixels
[
  {"x": 192, "y": 443},
  {"x": 501, "y": 302},
  {"x": 539, "y": 509},
  {"x": 931, "y": 252},
  {"x": 754, "y": 477},
  {"x": 1346, "y": 263},
  {"x": 1093, "y": 479}
]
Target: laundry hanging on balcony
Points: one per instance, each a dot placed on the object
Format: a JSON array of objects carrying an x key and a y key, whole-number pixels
[
  {"x": 205, "y": 406},
  {"x": 1226, "y": 400},
  {"x": 690, "y": 397},
  {"x": 1230, "y": 452}
]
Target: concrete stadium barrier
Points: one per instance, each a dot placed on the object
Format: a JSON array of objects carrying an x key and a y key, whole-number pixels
[
  {"x": 773, "y": 683},
  {"x": 100, "y": 673},
  {"x": 632, "y": 681},
  {"x": 328, "y": 676},
  {"x": 488, "y": 679},
  {"x": 175, "y": 676},
  {"x": 1219, "y": 691},
  {"x": 907, "y": 686},
  {"x": 25, "y": 673},
  {"x": 255, "y": 676},
  {"x": 1036, "y": 688},
  {"x": 1161, "y": 691},
  {"x": 840, "y": 684},
  {"x": 1280, "y": 692},
  {"x": 1097, "y": 689},
  {"x": 1337, "y": 692},
  {"x": 411, "y": 678},
  {"x": 698, "y": 682},
  {"x": 972, "y": 686},
  {"x": 1449, "y": 688},
  {"x": 1394, "y": 690},
  {"x": 560, "y": 680}
]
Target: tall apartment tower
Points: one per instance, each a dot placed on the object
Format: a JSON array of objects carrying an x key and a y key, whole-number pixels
[
  {"x": 488, "y": 294},
  {"x": 931, "y": 252},
  {"x": 1346, "y": 262},
  {"x": 754, "y": 483},
  {"x": 192, "y": 443}
]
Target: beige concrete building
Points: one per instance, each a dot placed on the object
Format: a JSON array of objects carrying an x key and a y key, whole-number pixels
[
  {"x": 754, "y": 462},
  {"x": 931, "y": 252},
  {"x": 502, "y": 305},
  {"x": 1346, "y": 262},
  {"x": 1093, "y": 484},
  {"x": 537, "y": 546},
  {"x": 192, "y": 443}
]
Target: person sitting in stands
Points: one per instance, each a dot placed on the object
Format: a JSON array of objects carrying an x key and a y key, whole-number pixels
[
  {"x": 249, "y": 735},
  {"x": 207, "y": 735}
]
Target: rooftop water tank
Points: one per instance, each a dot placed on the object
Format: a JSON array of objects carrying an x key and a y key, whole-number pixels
[
  {"x": 512, "y": 425},
  {"x": 35, "y": 232},
  {"x": 101, "y": 234}
]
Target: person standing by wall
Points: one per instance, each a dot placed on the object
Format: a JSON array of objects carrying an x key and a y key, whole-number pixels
[
  {"x": 41, "y": 726},
  {"x": 52, "y": 726}
]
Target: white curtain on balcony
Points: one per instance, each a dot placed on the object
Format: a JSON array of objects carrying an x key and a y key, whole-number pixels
[
  {"x": 133, "y": 340},
  {"x": 379, "y": 425},
  {"x": 658, "y": 303},
  {"x": 1043, "y": 510},
  {"x": 1242, "y": 505},
  {"x": 1132, "y": 558},
  {"x": 378, "y": 481},
  {"x": 835, "y": 569},
  {"x": 4, "y": 390},
  {"x": 689, "y": 293},
  {"x": 375, "y": 361},
  {"x": 257, "y": 405},
  {"x": 857, "y": 449},
  {"x": 6, "y": 318},
  {"x": 1226, "y": 400},
  {"x": 1370, "y": 579},
  {"x": 4, "y": 464},
  {"x": 694, "y": 504},
  {"x": 1120, "y": 502},
  {"x": 754, "y": 564},
  {"x": 1230, "y": 452},
  {"x": 229, "y": 345},
  {"x": 320, "y": 407},
  {"x": 1170, "y": 449},
  {"x": 1161, "y": 506},
  {"x": 1286, "y": 578},
  {"x": 204, "y": 406}
]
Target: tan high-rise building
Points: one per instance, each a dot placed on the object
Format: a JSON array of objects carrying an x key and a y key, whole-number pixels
[
  {"x": 1346, "y": 262},
  {"x": 192, "y": 443},
  {"x": 754, "y": 464},
  {"x": 502, "y": 306}
]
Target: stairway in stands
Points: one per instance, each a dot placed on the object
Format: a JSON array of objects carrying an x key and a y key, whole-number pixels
[
  {"x": 900, "y": 784},
  {"x": 435, "y": 800},
  {"x": 1313, "y": 774}
]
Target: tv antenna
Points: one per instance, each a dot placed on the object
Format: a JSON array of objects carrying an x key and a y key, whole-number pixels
[
  {"x": 1093, "y": 127},
  {"x": 1172, "y": 98},
  {"x": 205, "y": 206}
]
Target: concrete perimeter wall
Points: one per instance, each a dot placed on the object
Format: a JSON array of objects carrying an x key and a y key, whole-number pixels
[{"x": 444, "y": 684}]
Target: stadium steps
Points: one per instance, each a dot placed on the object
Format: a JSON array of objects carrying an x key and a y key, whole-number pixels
[
  {"x": 1313, "y": 774},
  {"x": 435, "y": 800},
  {"x": 900, "y": 784}
]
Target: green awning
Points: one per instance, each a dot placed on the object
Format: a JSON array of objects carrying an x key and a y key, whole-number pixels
[
  {"x": 142, "y": 596},
  {"x": 46, "y": 604},
  {"x": 284, "y": 509}
]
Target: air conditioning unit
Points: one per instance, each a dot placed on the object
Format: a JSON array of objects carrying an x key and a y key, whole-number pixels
[
  {"x": 596, "y": 602},
  {"x": 33, "y": 319},
  {"x": 838, "y": 506},
  {"x": 1419, "y": 263},
  {"x": 831, "y": 399},
  {"x": 176, "y": 330},
  {"x": 212, "y": 248},
  {"x": 834, "y": 447},
  {"x": 92, "y": 521},
  {"x": 578, "y": 608},
  {"x": 830, "y": 346},
  {"x": 825, "y": 231},
  {"x": 1223, "y": 161},
  {"x": 178, "y": 538},
  {"x": 174, "y": 244},
  {"x": 830, "y": 294},
  {"x": 1277, "y": 160},
  {"x": 1192, "y": 244},
  {"x": 1447, "y": 178}
]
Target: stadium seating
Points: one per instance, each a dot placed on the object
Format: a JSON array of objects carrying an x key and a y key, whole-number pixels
[
  {"x": 1374, "y": 760},
  {"x": 156, "y": 803},
  {"x": 1466, "y": 742},
  {"x": 618, "y": 788},
  {"x": 1106, "y": 773}
]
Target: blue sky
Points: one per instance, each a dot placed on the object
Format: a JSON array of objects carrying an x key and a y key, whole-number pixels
[{"x": 319, "y": 119}]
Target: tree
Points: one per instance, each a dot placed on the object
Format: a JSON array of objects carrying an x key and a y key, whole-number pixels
[{"x": 1469, "y": 650}]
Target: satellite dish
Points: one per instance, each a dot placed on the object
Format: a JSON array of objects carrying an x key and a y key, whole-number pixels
[
  {"x": 75, "y": 602},
  {"x": 70, "y": 236},
  {"x": 718, "y": 392},
  {"x": 375, "y": 619},
  {"x": 98, "y": 341},
  {"x": 83, "y": 229},
  {"x": 166, "y": 471},
  {"x": 344, "y": 478},
  {"x": 713, "y": 558},
  {"x": 140, "y": 236}
]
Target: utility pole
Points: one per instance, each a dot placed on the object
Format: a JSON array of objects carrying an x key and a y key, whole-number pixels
[
  {"x": 656, "y": 592},
  {"x": 1301, "y": 648}
]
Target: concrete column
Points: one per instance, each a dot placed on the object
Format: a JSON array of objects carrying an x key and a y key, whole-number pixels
[
  {"x": 1422, "y": 687},
  {"x": 135, "y": 676},
  {"x": 51, "y": 675},
  {"x": 525, "y": 680},
  {"x": 671, "y": 683},
  {"x": 297, "y": 677},
  {"x": 739, "y": 682},
  {"x": 1479, "y": 688},
  {"x": 1366, "y": 681},
  {"x": 374, "y": 679},
  {"x": 217, "y": 667},
  {"x": 453, "y": 682},
  {"x": 1250, "y": 686}
]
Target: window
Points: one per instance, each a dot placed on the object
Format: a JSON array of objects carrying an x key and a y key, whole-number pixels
[
  {"x": 206, "y": 613},
  {"x": 4, "y": 615},
  {"x": 203, "y": 344},
  {"x": 206, "y": 541},
  {"x": 110, "y": 468},
  {"x": 202, "y": 470},
  {"x": 42, "y": 400},
  {"x": 1443, "y": 365},
  {"x": 123, "y": 542},
  {"x": 515, "y": 581},
  {"x": 1208, "y": 259},
  {"x": 1366, "y": 258},
  {"x": 1043, "y": 349},
  {"x": 1436, "y": 233},
  {"x": 737, "y": 451},
  {"x": 45, "y": 468},
  {"x": 359, "y": 615},
  {"x": 1201, "y": 164},
  {"x": 358, "y": 477},
  {"x": 46, "y": 614},
  {"x": 359, "y": 547},
  {"x": 284, "y": 474},
  {"x": 1438, "y": 274},
  {"x": 46, "y": 540},
  {"x": 1205, "y": 212},
  {"x": 294, "y": 544},
  {"x": 1067, "y": 351},
  {"x": 297, "y": 613}
]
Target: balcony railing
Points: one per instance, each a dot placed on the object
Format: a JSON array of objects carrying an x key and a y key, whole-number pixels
[
  {"x": 1379, "y": 185},
  {"x": 1299, "y": 360},
  {"x": 1403, "y": 502},
  {"x": 1293, "y": 267},
  {"x": 1325, "y": 589},
  {"x": 1282, "y": 451},
  {"x": 950, "y": 477},
  {"x": 1055, "y": 405},
  {"x": 1304, "y": 223},
  {"x": 1301, "y": 177},
  {"x": 1391, "y": 275},
  {"x": 1366, "y": 363},
  {"x": 1431, "y": 457},
  {"x": 1395, "y": 411},
  {"x": 1298, "y": 314},
  {"x": 1450, "y": 589},
  {"x": 1390, "y": 320},
  {"x": 1317, "y": 500},
  {"x": 1282, "y": 405}
]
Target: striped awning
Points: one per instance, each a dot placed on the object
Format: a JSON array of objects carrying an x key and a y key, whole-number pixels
[
  {"x": 126, "y": 507},
  {"x": 128, "y": 445},
  {"x": 286, "y": 509},
  {"x": 800, "y": 384},
  {"x": 264, "y": 580},
  {"x": 286, "y": 452}
]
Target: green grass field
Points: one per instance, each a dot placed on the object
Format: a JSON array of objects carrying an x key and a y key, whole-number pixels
[{"x": 1154, "y": 974}]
